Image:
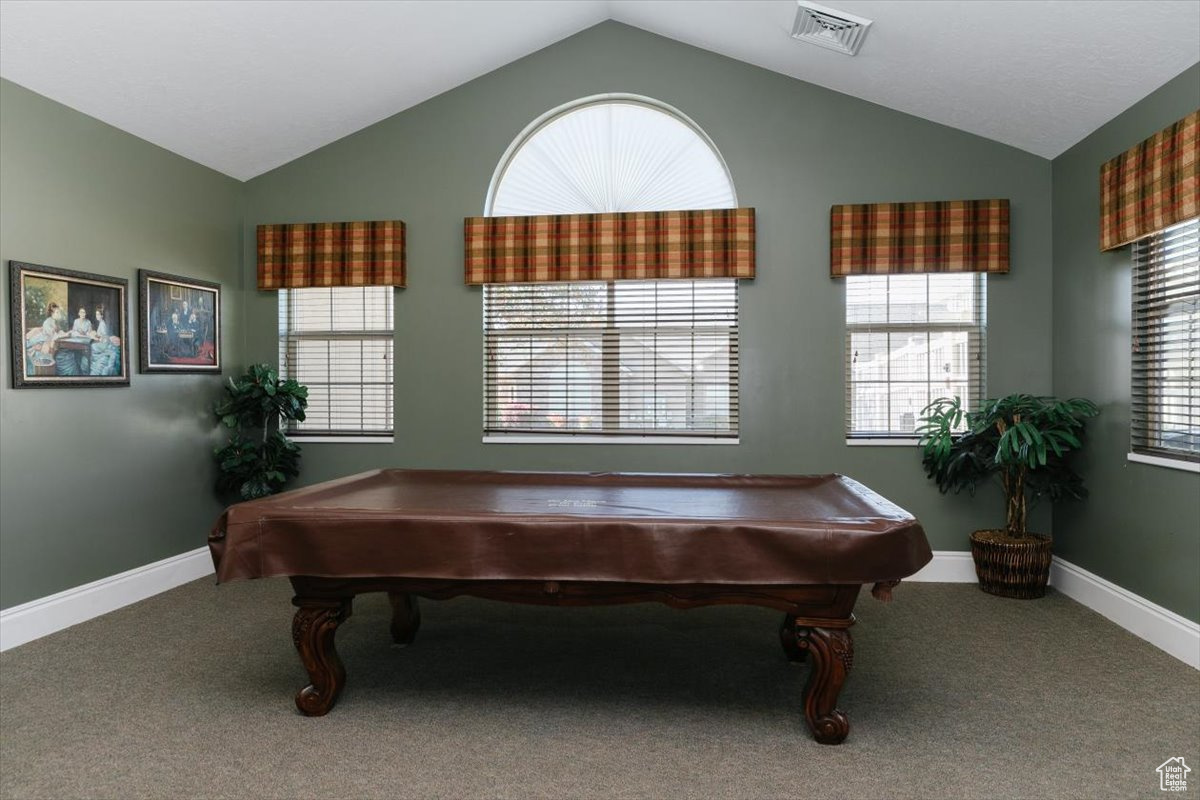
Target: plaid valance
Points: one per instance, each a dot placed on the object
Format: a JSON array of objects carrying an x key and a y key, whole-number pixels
[
  {"x": 1152, "y": 185},
  {"x": 331, "y": 254},
  {"x": 892, "y": 238},
  {"x": 634, "y": 245}
]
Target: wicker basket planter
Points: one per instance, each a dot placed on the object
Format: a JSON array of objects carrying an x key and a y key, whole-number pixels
[{"x": 1009, "y": 566}]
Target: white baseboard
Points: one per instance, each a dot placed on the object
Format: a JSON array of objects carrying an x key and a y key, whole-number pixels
[
  {"x": 1164, "y": 629},
  {"x": 46, "y": 615},
  {"x": 948, "y": 566}
]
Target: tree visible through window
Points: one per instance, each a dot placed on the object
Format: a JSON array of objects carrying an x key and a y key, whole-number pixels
[{"x": 621, "y": 358}]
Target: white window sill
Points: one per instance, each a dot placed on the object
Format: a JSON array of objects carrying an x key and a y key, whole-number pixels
[
  {"x": 1159, "y": 461},
  {"x": 533, "y": 439},
  {"x": 882, "y": 442},
  {"x": 301, "y": 439}
]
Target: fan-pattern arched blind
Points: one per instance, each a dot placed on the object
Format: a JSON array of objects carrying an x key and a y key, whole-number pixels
[
  {"x": 612, "y": 156},
  {"x": 570, "y": 350}
]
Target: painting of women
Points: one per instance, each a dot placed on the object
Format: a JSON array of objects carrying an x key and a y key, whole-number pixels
[{"x": 83, "y": 348}]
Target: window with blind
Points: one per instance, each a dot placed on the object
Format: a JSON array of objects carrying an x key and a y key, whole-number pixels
[
  {"x": 911, "y": 339},
  {"x": 619, "y": 359},
  {"x": 338, "y": 343},
  {"x": 1165, "y": 409},
  {"x": 624, "y": 358}
]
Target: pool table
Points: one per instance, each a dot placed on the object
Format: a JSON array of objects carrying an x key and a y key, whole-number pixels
[{"x": 803, "y": 545}]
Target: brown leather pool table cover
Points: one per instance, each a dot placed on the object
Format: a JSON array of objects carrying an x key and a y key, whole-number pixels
[{"x": 624, "y": 527}]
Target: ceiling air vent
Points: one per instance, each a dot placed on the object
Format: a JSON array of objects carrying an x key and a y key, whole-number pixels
[{"x": 829, "y": 28}]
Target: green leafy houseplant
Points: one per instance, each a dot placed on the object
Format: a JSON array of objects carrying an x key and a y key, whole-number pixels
[
  {"x": 1026, "y": 444},
  {"x": 260, "y": 404}
]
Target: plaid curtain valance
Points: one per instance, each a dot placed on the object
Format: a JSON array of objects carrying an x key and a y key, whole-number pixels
[
  {"x": 897, "y": 238},
  {"x": 635, "y": 245},
  {"x": 1152, "y": 185},
  {"x": 331, "y": 254}
]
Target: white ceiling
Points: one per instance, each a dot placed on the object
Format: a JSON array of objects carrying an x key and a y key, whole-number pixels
[{"x": 246, "y": 86}]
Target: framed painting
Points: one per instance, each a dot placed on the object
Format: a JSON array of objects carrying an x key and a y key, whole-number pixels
[
  {"x": 180, "y": 323},
  {"x": 69, "y": 328}
]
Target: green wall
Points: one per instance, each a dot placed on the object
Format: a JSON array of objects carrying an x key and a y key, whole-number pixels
[
  {"x": 793, "y": 149},
  {"x": 98, "y": 481},
  {"x": 1141, "y": 526}
]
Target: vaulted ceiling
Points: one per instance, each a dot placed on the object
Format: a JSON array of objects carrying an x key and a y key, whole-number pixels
[{"x": 244, "y": 87}]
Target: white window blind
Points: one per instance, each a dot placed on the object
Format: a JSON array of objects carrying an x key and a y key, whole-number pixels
[
  {"x": 338, "y": 342},
  {"x": 911, "y": 339},
  {"x": 625, "y": 358},
  {"x": 1165, "y": 409},
  {"x": 630, "y": 154}
]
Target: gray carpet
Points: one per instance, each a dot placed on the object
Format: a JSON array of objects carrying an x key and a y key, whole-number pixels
[{"x": 954, "y": 694}]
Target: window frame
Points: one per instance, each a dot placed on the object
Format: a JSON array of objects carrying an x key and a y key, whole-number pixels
[
  {"x": 977, "y": 334},
  {"x": 610, "y": 336},
  {"x": 528, "y": 133},
  {"x": 1141, "y": 389},
  {"x": 288, "y": 338},
  {"x": 533, "y": 128}
]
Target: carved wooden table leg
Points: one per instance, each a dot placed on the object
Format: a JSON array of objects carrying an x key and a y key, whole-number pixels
[
  {"x": 787, "y": 637},
  {"x": 406, "y": 617},
  {"x": 313, "y": 630},
  {"x": 832, "y": 656}
]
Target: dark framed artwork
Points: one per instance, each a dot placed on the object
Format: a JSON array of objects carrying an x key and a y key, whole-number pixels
[
  {"x": 180, "y": 323},
  {"x": 69, "y": 328}
]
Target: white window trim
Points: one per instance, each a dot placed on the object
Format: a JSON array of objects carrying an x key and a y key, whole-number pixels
[
  {"x": 526, "y": 438},
  {"x": 1160, "y": 461},
  {"x": 363, "y": 439},
  {"x": 896, "y": 441}
]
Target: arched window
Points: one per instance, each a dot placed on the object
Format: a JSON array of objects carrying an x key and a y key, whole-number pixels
[
  {"x": 610, "y": 153},
  {"x": 620, "y": 359}
]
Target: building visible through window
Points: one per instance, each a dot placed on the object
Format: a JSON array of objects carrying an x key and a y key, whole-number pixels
[
  {"x": 911, "y": 339},
  {"x": 626, "y": 357}
]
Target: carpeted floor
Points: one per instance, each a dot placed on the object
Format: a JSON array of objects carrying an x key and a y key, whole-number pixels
[{"x": 954, "y": 694}]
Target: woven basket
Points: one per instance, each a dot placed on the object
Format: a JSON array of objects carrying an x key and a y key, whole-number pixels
[{"x": 1011, "y": 567}]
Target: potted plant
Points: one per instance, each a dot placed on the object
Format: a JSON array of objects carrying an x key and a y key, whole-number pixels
[
  {"x": 1026, "y": 444},
  {"x": 260, "y": 404}
]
